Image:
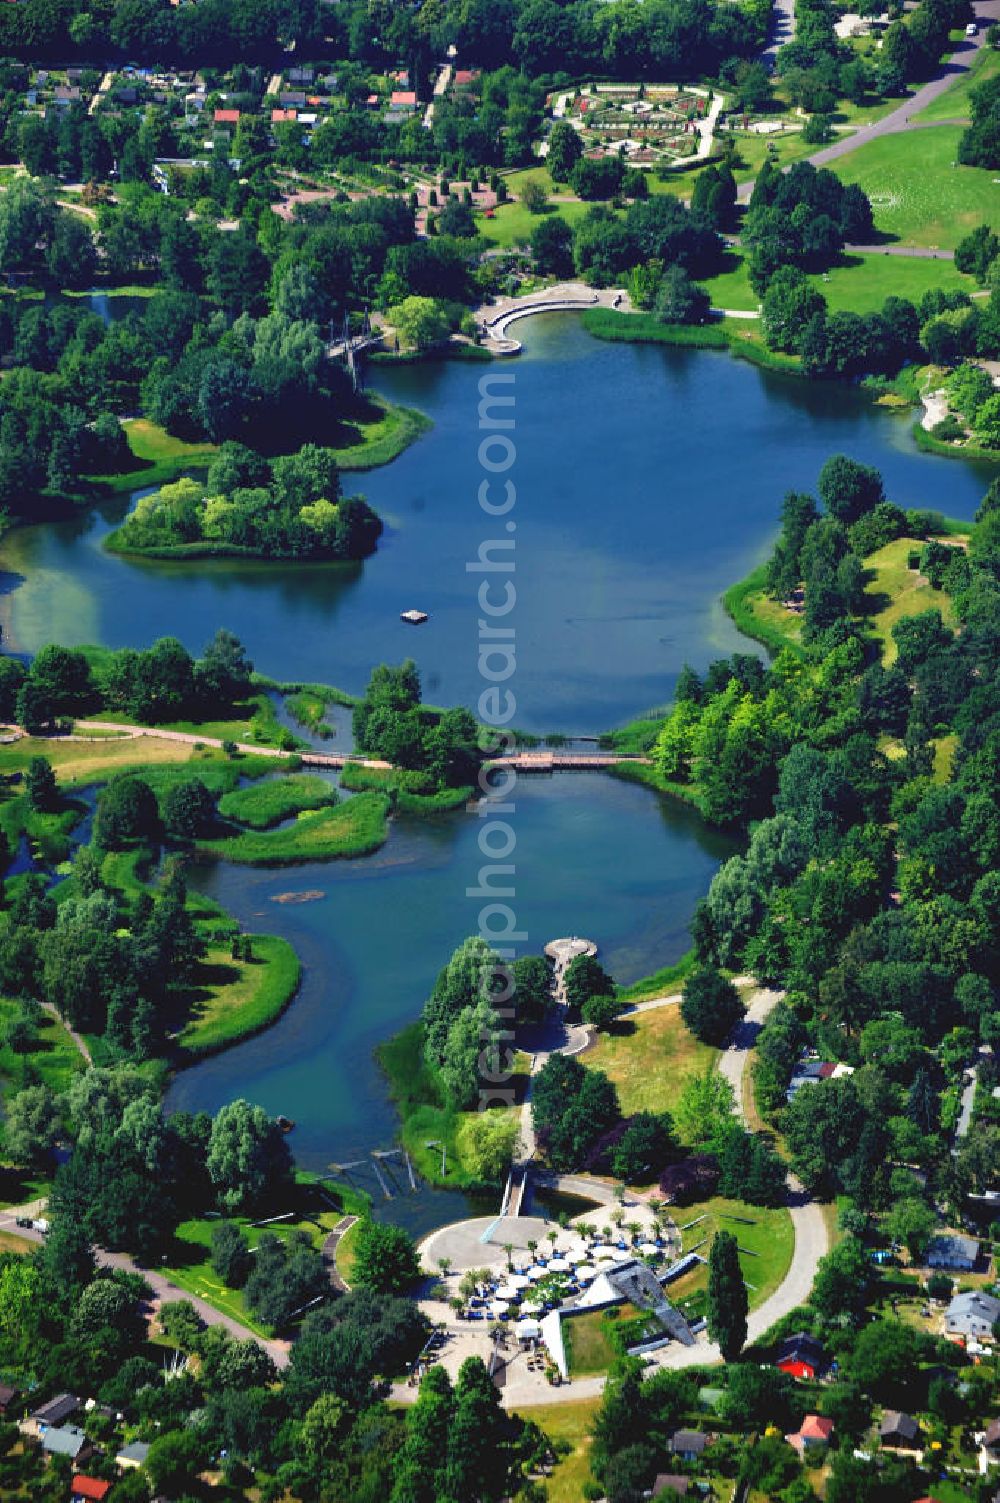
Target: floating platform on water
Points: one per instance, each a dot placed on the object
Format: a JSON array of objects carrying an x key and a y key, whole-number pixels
[{"x": 413, "y": 618}]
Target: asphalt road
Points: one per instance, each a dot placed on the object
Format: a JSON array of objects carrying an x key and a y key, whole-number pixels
[{"x": 901, "y": 118}]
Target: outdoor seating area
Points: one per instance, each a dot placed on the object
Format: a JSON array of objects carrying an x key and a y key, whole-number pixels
[{"x": 534, "y": 1282}]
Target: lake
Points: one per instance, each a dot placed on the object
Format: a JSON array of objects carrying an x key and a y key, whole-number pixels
[{"x": 649, "y": 480}]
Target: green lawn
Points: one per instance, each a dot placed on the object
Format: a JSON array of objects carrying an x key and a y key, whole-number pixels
[
  {"x": 513, "y": 223},
  {"x": 648, "y": 1058},
  {"x": 955, "y": 103},
  {"x": 159, "y": 457},
  {"x": 83, "y": 761},
  {"x": 896, "y": 591},
  {"x": 587, "y": 1338},
  {"x": 54, "y": 1062},
  {"x": 766, "y": 1240},
  {"x": 316, "y": 1210},
  {"x": 918, "y": 193},
  {"x": 860, "y": 284},
  {"x": 570, "y": 1425},
  {"x": 731, "y": 288}
]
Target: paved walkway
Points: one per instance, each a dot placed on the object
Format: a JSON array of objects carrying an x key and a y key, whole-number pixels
[
  {"x": 330, "y": 1251},
  {"x": 564, "y": 297}
]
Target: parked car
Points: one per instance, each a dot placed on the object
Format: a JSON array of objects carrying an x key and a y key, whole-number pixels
[{"x": 972, "y": 29}]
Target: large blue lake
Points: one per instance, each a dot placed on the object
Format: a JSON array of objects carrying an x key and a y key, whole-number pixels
[{"x": 648, "y": 480}]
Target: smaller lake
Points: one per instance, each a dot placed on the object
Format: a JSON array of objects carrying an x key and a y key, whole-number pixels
[{"x": 594, "y": 856}]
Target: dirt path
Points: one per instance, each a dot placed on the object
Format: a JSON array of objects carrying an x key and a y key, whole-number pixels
[
  {"x": 164, "y": 1291},
  {"x": 80, "y": 1043}
]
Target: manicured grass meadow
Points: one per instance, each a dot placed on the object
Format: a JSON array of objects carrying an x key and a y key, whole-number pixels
[
  {"x": 648, "y": 1057},
  {"x": 269, "y": 802},
  {"x": 919, "y": 195},
  {"x": 587, "y": 1338},
  {"x": 860, "y": 284},
  {"x": 354, "y": 828},
  {"x": 231, "y": 999}
]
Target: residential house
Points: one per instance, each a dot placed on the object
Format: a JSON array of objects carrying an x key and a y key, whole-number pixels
[
  {"x": 991, "y": 1441},
  {"x": 801, "y": 1356},
  {"x": 952, "y": 1252},
  {"x": 669, "y": 1485},
  {"x": 66, "y": 1440},
  {"x": 972, "y": 1313},
  {"x": 812, "y": 1071},
  {"x": 815, "y": 1430},
  {"x": 292, "y": 99},
  {"x": 84, "y": 1489},
  {"x": 403, "y": 99},
  {"x": 899, "y": 1429},
  {"x": 301, "y": 75},
  {"x": 688, "y": 1444},
  {"x": 132, "y": 1455},
  {"x": 53, "y": 1413},
  {"x": 64, "y": 94},
  {"x": 464, "y": 78},
  {"x": 283, "y": 117},
  {"x": 226, "y": 117}
]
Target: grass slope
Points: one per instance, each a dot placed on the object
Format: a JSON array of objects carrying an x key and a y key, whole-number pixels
[
  {"x": 897, "y": 591},
  {"x": 648, "y": 1057},
  {"x": 955, "y": 103},
  {"x": 766, "y": 1241}
]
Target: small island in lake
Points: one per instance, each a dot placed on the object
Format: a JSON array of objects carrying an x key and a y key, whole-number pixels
[{"x": 247, "y": 505}]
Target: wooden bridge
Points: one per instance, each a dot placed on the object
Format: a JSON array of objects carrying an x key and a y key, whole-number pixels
[{"x": 522, "y": 761}]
